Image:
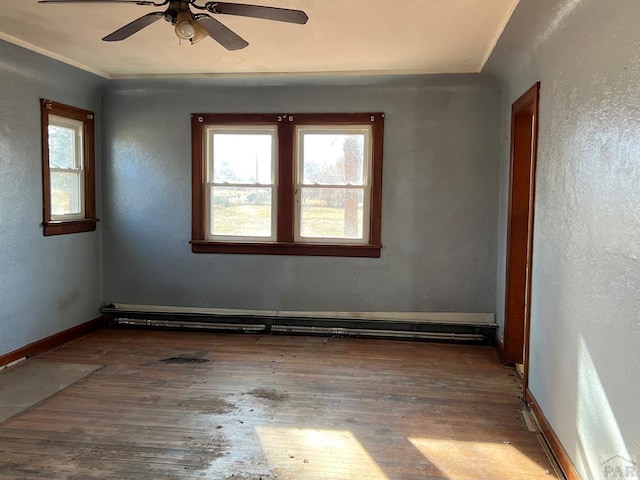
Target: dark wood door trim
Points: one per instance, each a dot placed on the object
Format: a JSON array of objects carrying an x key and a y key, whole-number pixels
[{"x": 524, "y": 141}]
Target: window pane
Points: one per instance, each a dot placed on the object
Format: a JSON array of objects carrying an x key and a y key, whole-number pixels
[
  {"x": 244, "y": 212},
  {"x": 242, "y": 158},
  {"x": 332, "y": 213},
  {"x": 66, "y": 193},
  {"x": 333, "y": 159},
  {"x": 62, "y": 147}
]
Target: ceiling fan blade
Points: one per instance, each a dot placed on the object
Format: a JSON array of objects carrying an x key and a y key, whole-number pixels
[
  {"x": 133, "y": 27},
  {"x": 257, "y": 11},
  {"x": 137, "y": 2},
  {"x": 221, "y": 34}
]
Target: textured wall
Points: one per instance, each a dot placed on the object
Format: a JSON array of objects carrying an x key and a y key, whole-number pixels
[
  {"x": 585, "y": 324},
  {"x": 46, "y": 284},
  {"x": 440, "y": 198}
]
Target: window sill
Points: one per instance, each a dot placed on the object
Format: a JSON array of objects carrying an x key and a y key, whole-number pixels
[
  {"x": 70, "y": 226},
  {"x": 309, "y": 249}
]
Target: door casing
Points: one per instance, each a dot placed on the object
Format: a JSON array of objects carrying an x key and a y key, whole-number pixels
[{"x": 524, "y": 141}]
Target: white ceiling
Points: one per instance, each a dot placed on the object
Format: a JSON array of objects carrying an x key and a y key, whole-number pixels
[{"x": 341, "y": 37}]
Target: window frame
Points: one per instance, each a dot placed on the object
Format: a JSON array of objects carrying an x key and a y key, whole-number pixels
[
  {"x": 86, "y": 220},
  {"x": 286, "y": 144},
  {"x": 300, "y": 131},
  {"x": 210, "y": 182}
]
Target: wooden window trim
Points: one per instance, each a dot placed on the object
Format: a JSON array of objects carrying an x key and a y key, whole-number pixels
[
  {"x": 88, "y": 223},
  {"x": 285, "y": 244}
]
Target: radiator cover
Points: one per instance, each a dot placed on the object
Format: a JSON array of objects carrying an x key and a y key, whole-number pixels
[{"x": 477, "y": 328}]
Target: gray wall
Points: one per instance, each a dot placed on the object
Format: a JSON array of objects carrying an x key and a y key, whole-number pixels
[
  {"x": 440, "y": 198},
  {"x": 46, "y": 284},
  {"x": 585, "y": 312}
]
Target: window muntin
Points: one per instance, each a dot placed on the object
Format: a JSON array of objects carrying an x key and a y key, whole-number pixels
[
  {"x": 241, "y": 183},
  {"x": 333, "y": 186},
  {"x": 66, "y": 168},
  {"x": 290, "y": 199}
]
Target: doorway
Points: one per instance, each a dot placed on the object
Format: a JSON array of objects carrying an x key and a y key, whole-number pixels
[{"x": 524, "y": 141}]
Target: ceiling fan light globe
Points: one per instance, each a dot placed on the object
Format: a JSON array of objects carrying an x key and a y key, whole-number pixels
[{"x": 185, "y": 29}]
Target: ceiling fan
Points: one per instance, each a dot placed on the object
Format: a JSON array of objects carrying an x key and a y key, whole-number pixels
[{"x": 196, "y": 26}]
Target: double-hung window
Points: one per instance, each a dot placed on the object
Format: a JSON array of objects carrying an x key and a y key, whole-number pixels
[
  {"x": 295, "y": 184},
  {"x": 241, "y": 174},
  {"x": 68, "y": 169},
  {"x": 333, "y": 191}
]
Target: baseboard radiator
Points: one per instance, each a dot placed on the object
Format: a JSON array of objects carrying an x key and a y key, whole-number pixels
[{"x": 451, "y": 327}]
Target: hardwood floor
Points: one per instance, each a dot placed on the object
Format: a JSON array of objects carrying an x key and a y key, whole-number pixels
[{"x": 174, "y": 405}]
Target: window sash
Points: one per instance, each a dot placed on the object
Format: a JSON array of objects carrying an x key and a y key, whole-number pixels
[
  {"x": 211, "y": 219},
  {"x": 78, "y": 192},
  {"x": 77, "y": 127},
  {"x": 361, "y": 214},
  {"x": 364, "y": 130}
]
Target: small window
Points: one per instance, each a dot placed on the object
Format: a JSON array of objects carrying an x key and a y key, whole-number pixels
[
  {"x": 305, "y": 184},
  {"x": 68, "y": 169}
]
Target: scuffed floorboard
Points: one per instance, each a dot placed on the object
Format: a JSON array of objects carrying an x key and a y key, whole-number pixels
[{"x": 241, "y": 407}]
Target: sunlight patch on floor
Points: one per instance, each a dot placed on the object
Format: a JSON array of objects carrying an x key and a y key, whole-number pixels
[
  {"x": 479, "y": 460},
  {"x": 312, "y": 453}
]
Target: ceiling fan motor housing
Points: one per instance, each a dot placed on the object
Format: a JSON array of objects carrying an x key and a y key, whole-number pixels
[{"x": 174, "y": 9}]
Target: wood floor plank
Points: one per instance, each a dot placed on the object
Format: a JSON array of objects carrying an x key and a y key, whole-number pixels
[{"x": 274, "y": 408}]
